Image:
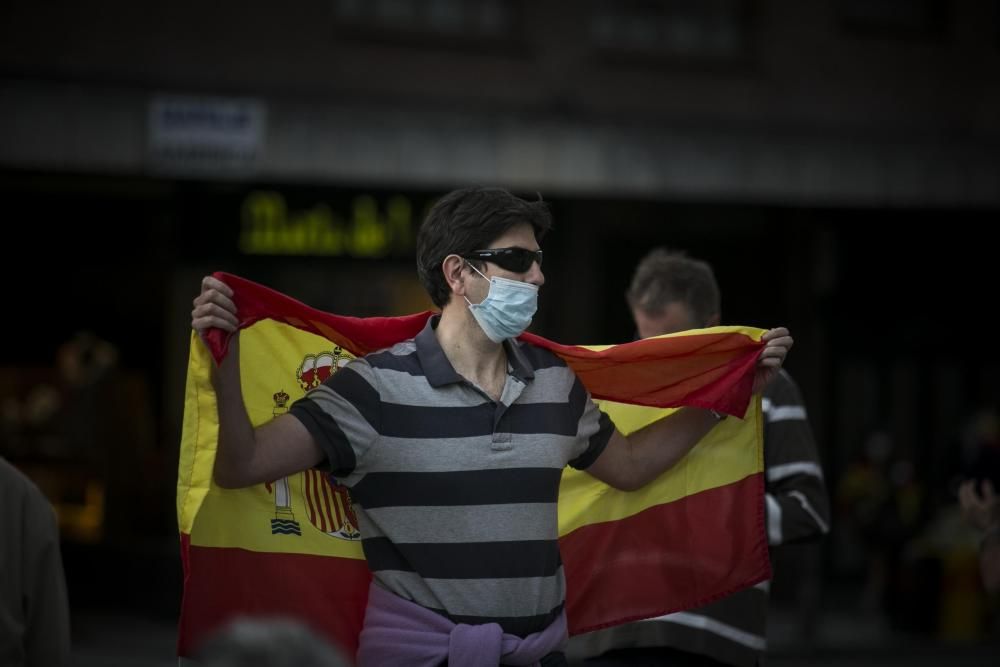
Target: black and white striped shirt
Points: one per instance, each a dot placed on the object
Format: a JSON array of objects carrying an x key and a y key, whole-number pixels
[{"x": 455, "y": 492}]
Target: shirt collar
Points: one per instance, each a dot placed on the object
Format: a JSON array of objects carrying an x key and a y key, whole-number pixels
[{"x": 438, "y": 369}]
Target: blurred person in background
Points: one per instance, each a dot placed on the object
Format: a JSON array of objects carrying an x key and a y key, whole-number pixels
[
  {"x": 268, "y": 642},
  {"x": 672, "y": 292},
  {"x": 34, "y": 612},
  {"x": 880, "y": 503},
  {"x": 982, "y": 512}
]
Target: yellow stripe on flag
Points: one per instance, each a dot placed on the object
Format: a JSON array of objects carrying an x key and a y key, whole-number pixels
[
  {"x": 198, "y": 436},
  {"x": 731, "y": 451}
]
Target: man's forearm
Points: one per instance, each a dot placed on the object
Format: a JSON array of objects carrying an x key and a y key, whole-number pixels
[
  {"x": 236, "y": 433},
  {"x": 662, "y": 444}
]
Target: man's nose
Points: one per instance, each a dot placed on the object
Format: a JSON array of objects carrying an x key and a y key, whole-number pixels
[{"x": 535, "y": 275}]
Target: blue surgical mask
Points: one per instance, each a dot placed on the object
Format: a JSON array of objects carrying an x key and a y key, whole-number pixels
[{"x": 507, "y": 309}]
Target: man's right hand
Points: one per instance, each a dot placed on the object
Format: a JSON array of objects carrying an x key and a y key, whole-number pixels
[
  {"x": 214, "y": 307},
  {"x": 246, "y": 456}
]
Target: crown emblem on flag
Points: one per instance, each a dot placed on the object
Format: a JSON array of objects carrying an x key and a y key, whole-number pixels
[
  {"x": 280, "y": 399},
  {"x": 316, "y": 368}
]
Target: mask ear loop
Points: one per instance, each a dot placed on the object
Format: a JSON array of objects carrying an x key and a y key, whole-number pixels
[{"x": 469, "y": 264}]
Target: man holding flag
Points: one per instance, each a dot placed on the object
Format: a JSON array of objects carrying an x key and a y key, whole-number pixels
[{"x": 453, "y": 444}]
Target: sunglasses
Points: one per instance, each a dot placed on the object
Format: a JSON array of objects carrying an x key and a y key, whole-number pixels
[{"x": 517, "y": 260}]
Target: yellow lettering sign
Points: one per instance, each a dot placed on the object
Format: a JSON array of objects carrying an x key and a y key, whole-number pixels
[{"x": 270, "y": 228}]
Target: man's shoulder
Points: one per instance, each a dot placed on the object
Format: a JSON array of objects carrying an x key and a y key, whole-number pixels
[
  {"x": 14, "y": 480},
  {"x": 20, "y": 492},
  {"x": 404, "y": 352}
]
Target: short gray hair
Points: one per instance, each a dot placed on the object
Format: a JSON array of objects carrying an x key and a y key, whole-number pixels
[{"x": 667, "y": 276}]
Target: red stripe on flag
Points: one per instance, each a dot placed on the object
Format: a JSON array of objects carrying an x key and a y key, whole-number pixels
[
  {"x": 357, "y": 335},
  {"x": 708, "y": 370},
  {"x": 623, "y": 570},
  {"x": 326, "y": 593}
]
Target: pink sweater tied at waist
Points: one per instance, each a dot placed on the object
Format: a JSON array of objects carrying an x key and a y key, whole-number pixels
[{"x": 400, "y": 632}]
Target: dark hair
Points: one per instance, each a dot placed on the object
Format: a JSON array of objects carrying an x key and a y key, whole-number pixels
[
  {"x": 466, "y": 220},
  {"x": 664, "y": 277}
]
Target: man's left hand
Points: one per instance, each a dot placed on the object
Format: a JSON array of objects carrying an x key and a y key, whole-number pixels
[{"x": 777, "y": 343}]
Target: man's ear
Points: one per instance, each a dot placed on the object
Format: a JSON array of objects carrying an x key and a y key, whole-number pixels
[{"x": 452, "y": 268}]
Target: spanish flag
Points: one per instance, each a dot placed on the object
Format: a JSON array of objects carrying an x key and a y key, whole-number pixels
[{"x": 292, "y": 547}]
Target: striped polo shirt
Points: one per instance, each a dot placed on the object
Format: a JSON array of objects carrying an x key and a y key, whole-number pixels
[{"x": 456, "y": 493}]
